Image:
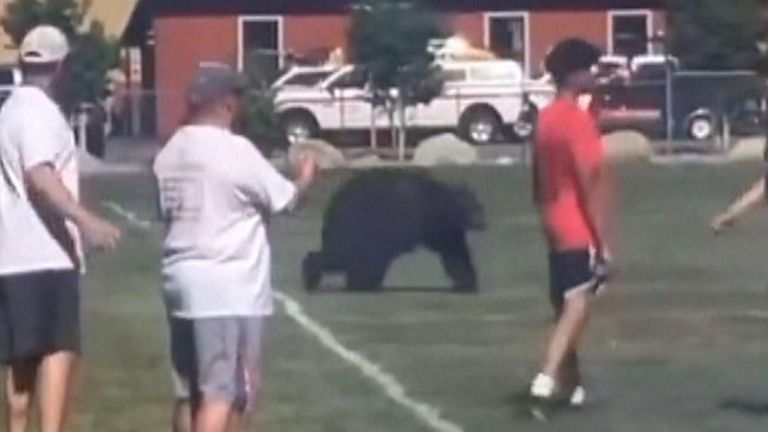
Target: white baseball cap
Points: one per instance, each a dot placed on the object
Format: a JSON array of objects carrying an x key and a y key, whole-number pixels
[{"x": 44, "y": 44}]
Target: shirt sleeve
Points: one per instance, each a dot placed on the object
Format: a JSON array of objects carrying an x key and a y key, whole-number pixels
[
  {"x": 260, "y": 182},
  {"x": 36, "y": 141}
]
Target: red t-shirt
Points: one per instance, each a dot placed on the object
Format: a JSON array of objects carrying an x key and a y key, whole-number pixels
[{"x": 567, "y": 139}]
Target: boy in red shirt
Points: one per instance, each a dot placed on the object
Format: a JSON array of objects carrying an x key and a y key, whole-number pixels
[{"x": 568, "y": 185}]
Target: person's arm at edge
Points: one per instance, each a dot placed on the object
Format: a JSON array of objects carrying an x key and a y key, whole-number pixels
[
  {"x": 44, "y": 183},
  {"x": 593, "y": 186},
  {"x": 306, "y": 175},
  {"x": 740, "y": 207},
  {"x": 592, "y": 191}
]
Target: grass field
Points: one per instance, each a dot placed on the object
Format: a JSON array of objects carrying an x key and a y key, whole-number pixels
[{"x": 678, "y": 345}]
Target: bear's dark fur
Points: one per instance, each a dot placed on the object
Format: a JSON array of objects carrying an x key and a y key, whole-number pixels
[{"x": 381, "y": 214}]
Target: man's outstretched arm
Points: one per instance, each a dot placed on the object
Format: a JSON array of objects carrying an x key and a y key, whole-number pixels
[{"x": 743, "y": 205}]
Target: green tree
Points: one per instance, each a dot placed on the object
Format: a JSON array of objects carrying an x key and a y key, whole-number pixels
[
  {"x": 717, "y": 34},
  {"x": 259, "y": 120},
  {"x": 389, "y": 39},
  {"x": 93, "y": 52}
]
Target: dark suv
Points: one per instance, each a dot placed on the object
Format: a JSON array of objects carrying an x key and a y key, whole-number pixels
[{"x": 703, "y": 102}]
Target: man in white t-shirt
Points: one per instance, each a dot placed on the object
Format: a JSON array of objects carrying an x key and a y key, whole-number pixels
[
  {"x": 40, "y": 227},
  {"x": 216, "y": 193}
]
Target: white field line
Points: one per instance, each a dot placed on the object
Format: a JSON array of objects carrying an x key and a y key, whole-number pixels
[
  {"x": 128, "y": 215},
  {"x": 387, "y": 382},
  {"x": 428, "y": 414}
]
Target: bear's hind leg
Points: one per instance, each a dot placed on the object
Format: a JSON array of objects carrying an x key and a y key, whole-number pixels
[
  {"x": 312, "y": 270},
  {"x": 366, "y": 273}
]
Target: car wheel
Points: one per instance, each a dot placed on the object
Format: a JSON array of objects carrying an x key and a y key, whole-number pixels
[
  {"x": 299, "y": 127},
  {"x": 525, "y": 127},
  {"x": 701, "y": 128},
  {"x": 480, "y": 126}
]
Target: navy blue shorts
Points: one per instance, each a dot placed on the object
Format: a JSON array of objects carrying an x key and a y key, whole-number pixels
[
  {"x": 574, "y": 271},
  {"x": 39, "y": 314}
]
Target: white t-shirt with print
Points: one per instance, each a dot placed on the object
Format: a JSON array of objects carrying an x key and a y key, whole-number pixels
[
  {"x": 216, "y": 194},
  {"x": 33, "y": 131}
]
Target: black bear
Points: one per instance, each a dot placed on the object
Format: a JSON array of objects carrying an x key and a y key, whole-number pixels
[{"x": 381, "y": 214}]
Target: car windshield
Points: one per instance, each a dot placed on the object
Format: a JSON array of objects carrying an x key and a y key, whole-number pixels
[
  {"x": 7, "y": 77},
  {"x": 307, "y": 78},
  {"x": 354, "y": 78}
]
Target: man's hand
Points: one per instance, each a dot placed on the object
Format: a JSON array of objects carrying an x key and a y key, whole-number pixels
[
  {"x": 743, "y": 205},
  {"x": 722, "y": 222},
  {"x": 44, "y": 184},
  {"x": 99, "y": 233},
  {"x": 604, "y": 266}
]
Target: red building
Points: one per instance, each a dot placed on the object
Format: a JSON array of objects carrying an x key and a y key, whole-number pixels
[{"x": 186, "y": 32}]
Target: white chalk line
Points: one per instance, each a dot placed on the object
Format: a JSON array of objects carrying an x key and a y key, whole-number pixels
[
  {"x": 128, "y": 215},
  {"x": 428, "y": 414},
  {"x": 387, "y": 382}
]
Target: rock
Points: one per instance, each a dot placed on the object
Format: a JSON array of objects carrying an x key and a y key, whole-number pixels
[
  {"x": 367, "y": 161},
  {"x": 623, "y": 145},
  {"x": 750, "y": 148},
  {"x": 326, "y": 155},
  {"x": 445, "y": 149}
]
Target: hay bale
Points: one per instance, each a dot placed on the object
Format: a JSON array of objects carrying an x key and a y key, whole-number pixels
[
  {"x": 445, "y": 149},
  {"x": 750, "y": 148},
  {"x": 626, "y": 145},
  {"x": 326, "y": 155}
]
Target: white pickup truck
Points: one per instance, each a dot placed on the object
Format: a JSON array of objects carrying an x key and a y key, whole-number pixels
[
  {"x": 481, "y": 100},
  {"x": 10, "y": 77}
]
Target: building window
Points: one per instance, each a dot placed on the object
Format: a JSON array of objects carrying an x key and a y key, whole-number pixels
[
  {"x": 507, "y": 36},
  {"x": 260, "y": 44},
  {"x": 630, "y": 32}
]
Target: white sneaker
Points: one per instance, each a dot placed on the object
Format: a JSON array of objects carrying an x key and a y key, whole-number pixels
[
  {"x": 543, "y": 387},
  {"x": 578, "y": 397}
]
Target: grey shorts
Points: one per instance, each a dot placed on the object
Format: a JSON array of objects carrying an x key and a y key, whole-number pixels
[{"x": 217, "y": 358}]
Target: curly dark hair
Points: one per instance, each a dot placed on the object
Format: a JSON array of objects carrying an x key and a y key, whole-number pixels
[{"x": 569, "y": 56}]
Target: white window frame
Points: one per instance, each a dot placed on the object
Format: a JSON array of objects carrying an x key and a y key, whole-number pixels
[
  {"x": 243, "y": 19},
  {"x": 649, "y": 25},
  {"x": 526, "y": 16}
]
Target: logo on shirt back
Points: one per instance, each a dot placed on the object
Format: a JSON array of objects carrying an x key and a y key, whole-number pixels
[{"x": 181, "y": 197}]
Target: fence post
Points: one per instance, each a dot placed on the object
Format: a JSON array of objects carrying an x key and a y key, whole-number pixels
[
  {"x": 725, "y": 135},
  {"x": 82, "y": 126},
  {"x": 669, "y": 109}
]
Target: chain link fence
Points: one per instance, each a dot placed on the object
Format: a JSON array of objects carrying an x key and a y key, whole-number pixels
[{"x": 702, "y": 111}]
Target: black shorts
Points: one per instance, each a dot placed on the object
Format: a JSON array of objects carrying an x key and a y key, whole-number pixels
[
  {"x": 574, "y": 271},
  {"x": 39, "y": 314}
]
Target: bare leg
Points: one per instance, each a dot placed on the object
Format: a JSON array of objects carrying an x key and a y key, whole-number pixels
[
  {"x": 182, "y": 416},
  {"x": 212, "y": 416},
  {"x": 56, "y": 372},
  {"x": 570, "y": 377},
  {"x": 19, "y": 389},
  {"x": 237, "y": 421},
  {"x": 568, "y": 331}
]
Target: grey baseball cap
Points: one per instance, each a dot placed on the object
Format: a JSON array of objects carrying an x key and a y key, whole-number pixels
[{"x": 213, "y": 81}]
